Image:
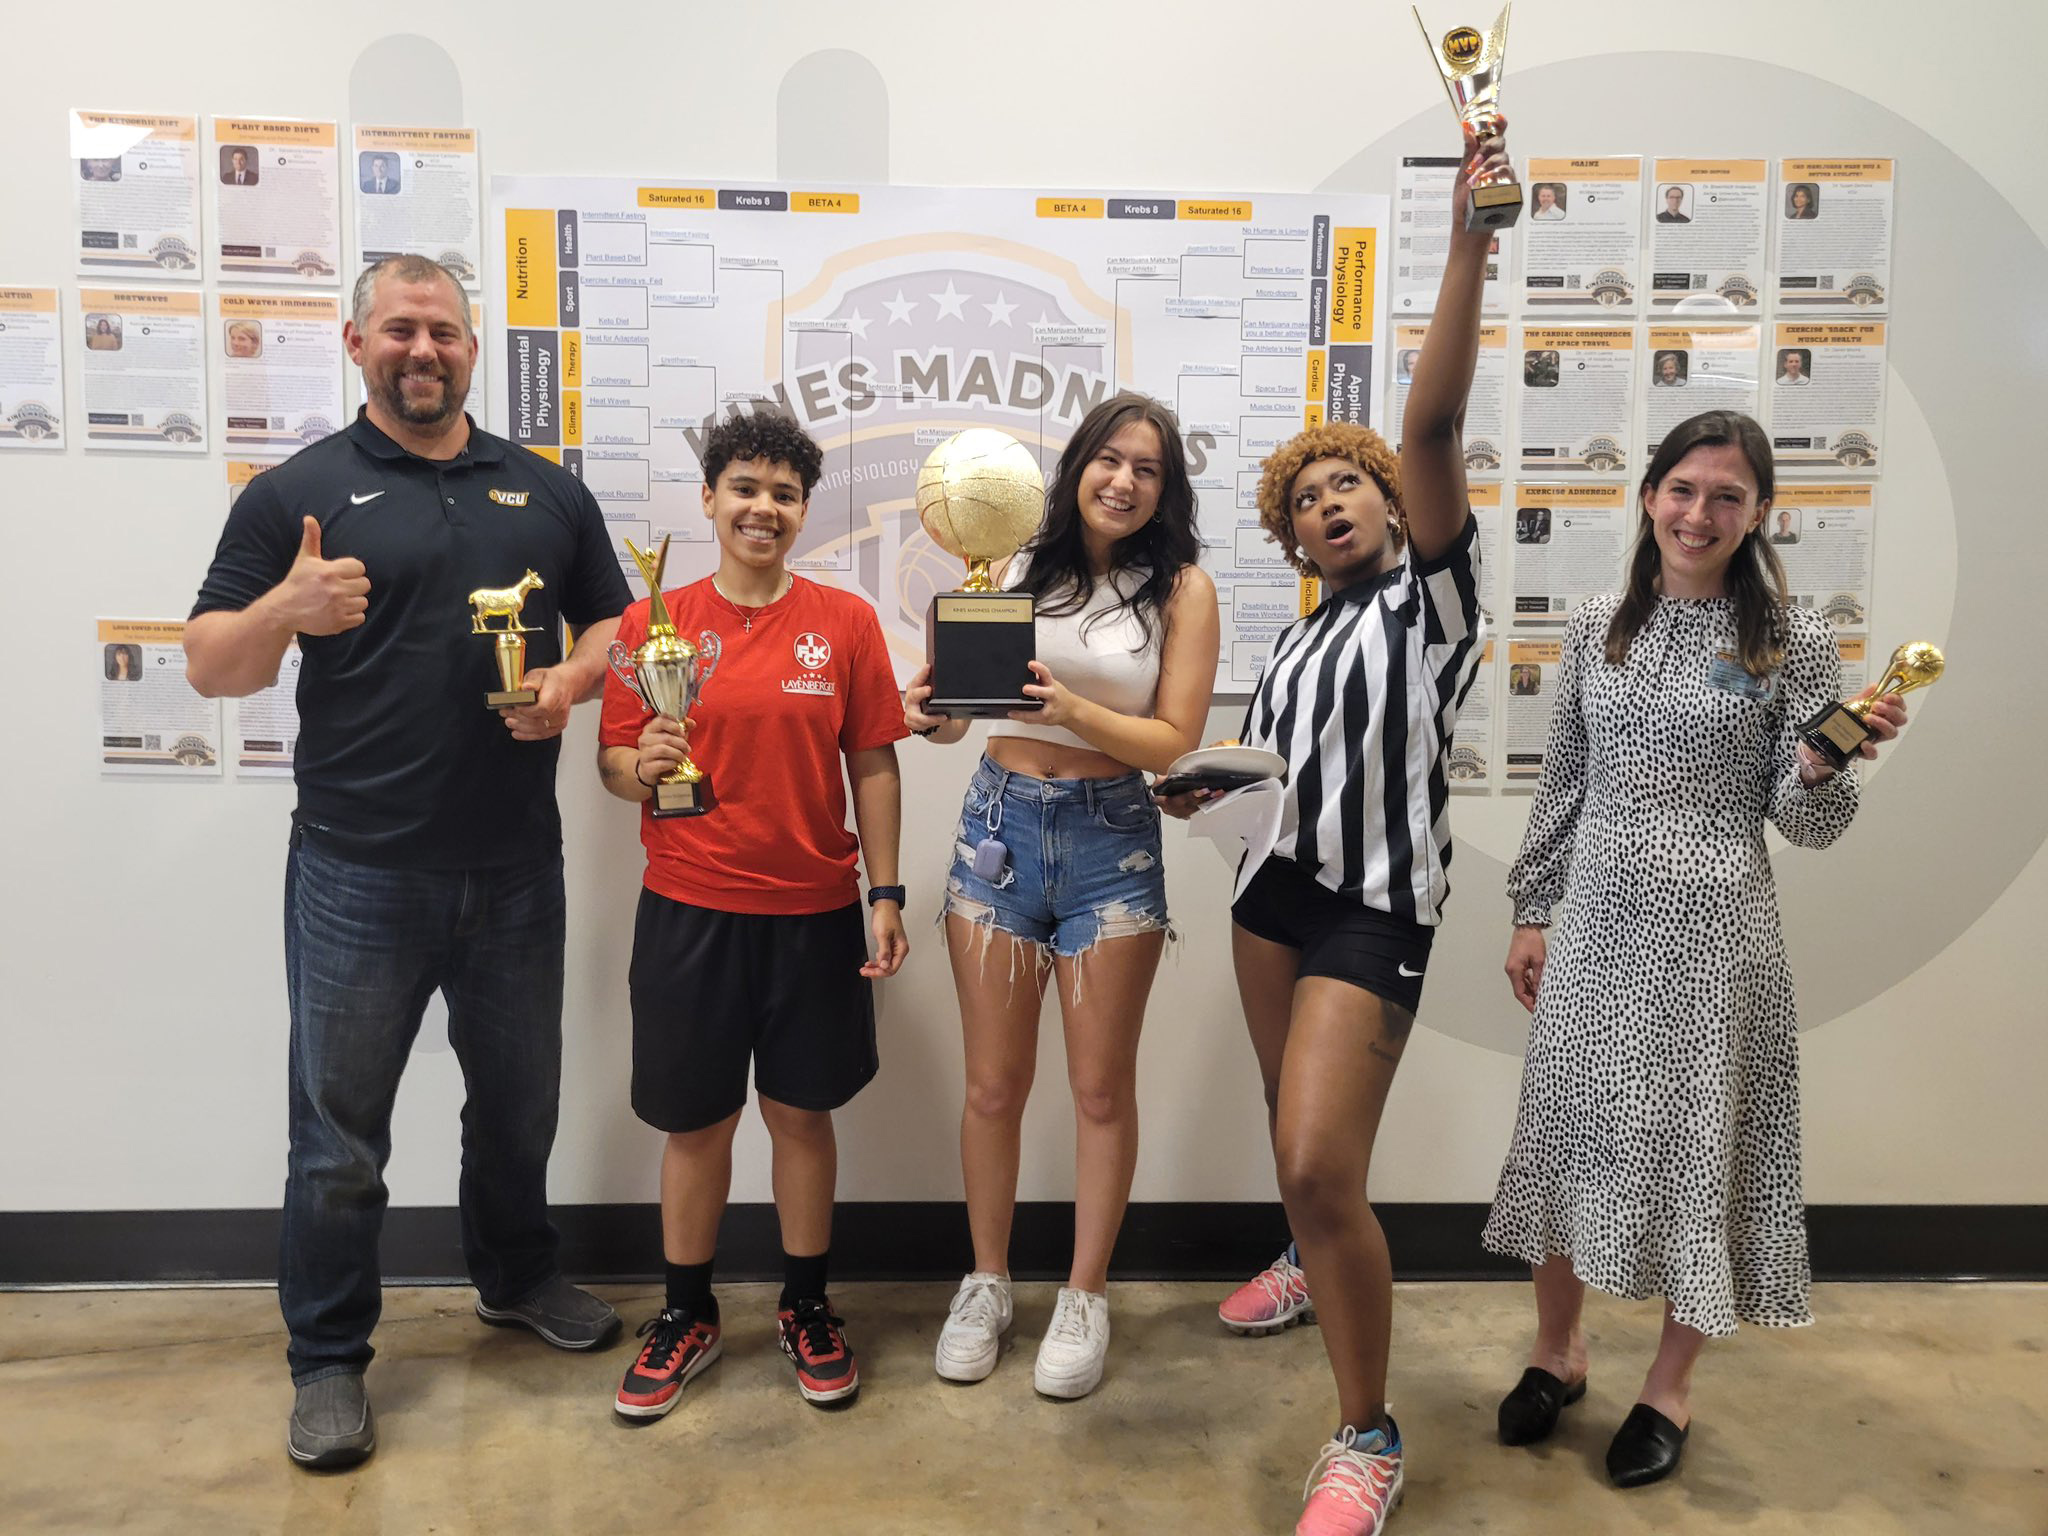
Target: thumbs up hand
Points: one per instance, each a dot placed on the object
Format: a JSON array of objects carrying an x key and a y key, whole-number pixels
[{"x": 318, "y": 596}]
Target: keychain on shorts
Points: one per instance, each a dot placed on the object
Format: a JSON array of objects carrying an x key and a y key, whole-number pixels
[{"x": 991, "y": 855}]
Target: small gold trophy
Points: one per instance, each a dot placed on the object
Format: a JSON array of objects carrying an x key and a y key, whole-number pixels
[
  {"x": 1472, "y": 65},
  {"x": 668, "y": 674},
  {"x": 981, "y": 497},
  {"x": 487, "y": 603},
  {"x": 1839, "y": 730}
]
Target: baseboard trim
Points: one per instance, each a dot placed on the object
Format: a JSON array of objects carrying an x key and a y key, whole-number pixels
[{"x": 927, "y": 1240}]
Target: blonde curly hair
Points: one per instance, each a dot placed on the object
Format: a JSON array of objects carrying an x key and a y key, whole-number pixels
[{"x": 1332, "y": 440}]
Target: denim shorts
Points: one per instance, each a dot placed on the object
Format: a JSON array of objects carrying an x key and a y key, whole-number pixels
[{"x": 1083, "y": 859}]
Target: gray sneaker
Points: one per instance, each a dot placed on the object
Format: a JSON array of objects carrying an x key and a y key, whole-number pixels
[
  {"x": 560, "y": 1313},
  {"x": 332, "y": 1425}
]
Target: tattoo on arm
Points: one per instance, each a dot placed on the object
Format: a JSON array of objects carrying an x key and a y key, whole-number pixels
[
  {"x": 609, "y": 769},
  {"x": 1395, "y": 1023}
]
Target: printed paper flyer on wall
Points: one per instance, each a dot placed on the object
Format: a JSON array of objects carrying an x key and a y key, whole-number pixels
[
  {"x": 1826, "y": 396},
  {"x": 1485, "y": 501},
  {"x": 1422, "y": 240},
  {"x": 1568, "y": 545},
  {"x": 31, "y": 370},
  {"x": 136, "y": 179},
  {"x": 417, "y": 193},
  {"x": 1707, "y": 224},
  {"x": 1576, "y": 400},
  {"x": 1696, "y": 368},
  {"x": 885, "y": 318},
  {"x": 142, "y": 381},
  {"x": 1824, "y": 533},
  {"x": 151, "y": 720},
  {"x": 276, "y": 201},
  {"x": 1582, "y": 238},
  {"x": 280, "y": 370},
  {"x": 1486, "y": 407},
  {"x": 1854, "y": 651},
  {"x": 267, "y": 725},
  {"x": 1469, "y": 764},
  {"x": 1527, "y": 698},
  {"x": 240, "y": 472},
  {"x": 1834, "y": 219}
]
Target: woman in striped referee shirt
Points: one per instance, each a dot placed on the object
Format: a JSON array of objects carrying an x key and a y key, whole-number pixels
[{"x": 1331, "y": 935}]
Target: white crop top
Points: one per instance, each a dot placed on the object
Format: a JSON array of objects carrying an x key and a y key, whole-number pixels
[{"x": 1112, "y": 665}]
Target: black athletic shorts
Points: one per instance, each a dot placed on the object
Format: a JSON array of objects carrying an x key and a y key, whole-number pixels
[
  {"x": 1337, "y": 935},
  {"x": 712, "y": 990}
]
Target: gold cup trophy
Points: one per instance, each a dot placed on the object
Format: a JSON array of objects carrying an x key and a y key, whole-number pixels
[
  {"x": 1472, "y": 63},
  {"x": 509, "y": 648},
  {"x": 1838, "y": 731},
  {"x": 667, "y": 674},
  {"x": 981, "y": 497}
]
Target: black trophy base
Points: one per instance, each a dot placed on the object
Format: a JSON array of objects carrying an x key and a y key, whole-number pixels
[
  {"x": 511, "y": 698},
  {"x": 980, "y": 645},
  {"x": 682, "y": 797},
  {"x": 1494, "y": 207},
  {"x": 1836, "y": 734}
]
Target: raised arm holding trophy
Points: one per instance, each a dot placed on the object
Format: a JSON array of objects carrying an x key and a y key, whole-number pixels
[{"x": 1472, "y": 64}]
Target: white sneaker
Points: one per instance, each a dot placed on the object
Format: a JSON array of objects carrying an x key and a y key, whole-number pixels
[
  {"x": 972, "y": 1339},
  {"x": 1076, "y": 1343}
]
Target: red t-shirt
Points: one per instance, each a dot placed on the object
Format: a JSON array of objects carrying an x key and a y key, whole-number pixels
[{"x": 809, "y": 682}]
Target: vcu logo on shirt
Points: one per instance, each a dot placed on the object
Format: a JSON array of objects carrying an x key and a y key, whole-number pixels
[{"x": 509, "y": 498}]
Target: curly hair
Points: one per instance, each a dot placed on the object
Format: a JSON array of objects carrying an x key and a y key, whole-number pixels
[
  {"x": 1332, "y": 440},
  {"x": 761, "y": 434}
]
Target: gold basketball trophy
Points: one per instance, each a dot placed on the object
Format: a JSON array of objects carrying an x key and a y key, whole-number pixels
[
  {"x": 487, "y": 603},
  {"x": 1472, "y": 64},
  {"x": 668, "y": 674},
  {"x": 981, "y": 497},
  {"x": 1838, "y": 731}
]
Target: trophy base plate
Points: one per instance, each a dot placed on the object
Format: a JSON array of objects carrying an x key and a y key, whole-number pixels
[
  {"x": 1835, "y": 734},
  {"x": 981, "y": 709},
  {"x": 682, "y": 798},
  {"x": 1495, "y": 207},
  {"x": 511, "y": 698}
]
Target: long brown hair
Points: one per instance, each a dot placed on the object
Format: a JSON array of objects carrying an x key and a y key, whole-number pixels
[{"x": 1756, "y": 577}]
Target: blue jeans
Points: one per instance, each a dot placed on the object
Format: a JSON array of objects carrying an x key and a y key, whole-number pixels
[
  {"x": 364, "y": 949},
  {"x": 1083, "y": 861}
]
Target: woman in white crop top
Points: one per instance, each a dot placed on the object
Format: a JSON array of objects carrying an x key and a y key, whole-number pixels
[{"x": 1056, "y": 865}]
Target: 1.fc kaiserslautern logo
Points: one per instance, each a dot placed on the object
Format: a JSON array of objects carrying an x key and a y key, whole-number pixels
[{"x": 813, "y": 649}]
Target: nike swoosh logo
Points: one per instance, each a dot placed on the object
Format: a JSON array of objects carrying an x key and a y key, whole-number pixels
[
  {"x": 1403, "y": 969},
  {"x": 357, "y": 501}
]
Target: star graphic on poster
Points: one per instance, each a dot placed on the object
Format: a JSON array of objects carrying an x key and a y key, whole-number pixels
[
  {"x": 858, "y": 323},
  {"x": 950, "y": 301},
  {"x": 899, "y": 308},
  {"x": 1000, "y": 311}
]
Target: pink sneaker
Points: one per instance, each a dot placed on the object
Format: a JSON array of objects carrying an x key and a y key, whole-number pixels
[
  {"x": 1355, "y": 1485},
  {"x": 1274, "y": 1299}
]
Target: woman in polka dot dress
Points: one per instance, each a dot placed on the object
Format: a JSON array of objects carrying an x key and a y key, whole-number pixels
[{"x": 1656, "y": 1149}]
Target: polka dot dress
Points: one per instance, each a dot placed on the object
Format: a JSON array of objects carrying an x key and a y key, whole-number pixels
[{"x": 1657, "y": 1142}]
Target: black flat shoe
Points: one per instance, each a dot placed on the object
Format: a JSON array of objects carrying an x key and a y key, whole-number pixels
[
  {"x": 1529, "y": 1413},
  {"x": 1645, "y": 1449}
]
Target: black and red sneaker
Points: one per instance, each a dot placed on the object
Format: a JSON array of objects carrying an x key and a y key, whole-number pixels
[
  {"x": 678, "y": 1347},
  {"x": 813, "y": 1339}
]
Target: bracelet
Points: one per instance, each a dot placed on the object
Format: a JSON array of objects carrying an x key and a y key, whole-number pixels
[
  {"x": 885, "y": 893},
  {"x": 636, "y": 776}
]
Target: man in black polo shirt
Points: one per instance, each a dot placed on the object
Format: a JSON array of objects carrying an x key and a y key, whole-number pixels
[{"x": 426, "y": 845}]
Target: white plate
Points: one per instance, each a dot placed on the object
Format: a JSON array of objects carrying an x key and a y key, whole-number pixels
[{"x": 1252, "y": 760}]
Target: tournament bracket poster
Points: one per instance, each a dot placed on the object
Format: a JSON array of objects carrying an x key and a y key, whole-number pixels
[{"x": 885, "y": 319}]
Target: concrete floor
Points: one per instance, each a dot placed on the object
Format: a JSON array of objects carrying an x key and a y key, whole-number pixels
[{"x": 1910, "y": 1408}]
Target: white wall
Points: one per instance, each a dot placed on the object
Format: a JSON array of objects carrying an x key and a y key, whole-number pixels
[{"x": 140, "y": 957}]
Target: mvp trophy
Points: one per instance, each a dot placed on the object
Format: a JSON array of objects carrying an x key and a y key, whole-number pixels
[
  {"x": 504, "y": 603},
  {"x": 1472, "y": 65},
  {"x": 981, "y": 498},
  {"x": 1839, "y": 730},
  {"x": 668, "y": 674}
]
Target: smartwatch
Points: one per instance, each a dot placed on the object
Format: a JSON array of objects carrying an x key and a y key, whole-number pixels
[{"x": 885, "y": 893}]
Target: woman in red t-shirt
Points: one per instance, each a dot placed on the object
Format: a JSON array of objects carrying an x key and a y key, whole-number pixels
[{"x": 748, "y": 947}]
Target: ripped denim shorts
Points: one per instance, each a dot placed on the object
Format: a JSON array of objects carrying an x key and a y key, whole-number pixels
[{"x": 1083, "y": 859}]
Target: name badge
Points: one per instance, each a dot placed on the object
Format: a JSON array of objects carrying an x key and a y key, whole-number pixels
[{"x": 1727, "y": 673}]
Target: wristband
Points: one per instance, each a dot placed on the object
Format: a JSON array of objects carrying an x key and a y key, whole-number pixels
[{"x": 885, "y": 893}]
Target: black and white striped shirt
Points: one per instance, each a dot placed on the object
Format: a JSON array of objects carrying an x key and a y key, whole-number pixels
[{"x": 1360, "y": 698}]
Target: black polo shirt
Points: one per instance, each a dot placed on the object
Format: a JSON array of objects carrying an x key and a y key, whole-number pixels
[{"x": 399, "y": 761}]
